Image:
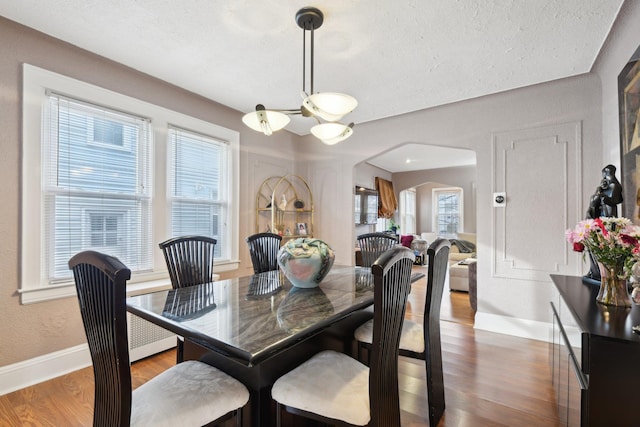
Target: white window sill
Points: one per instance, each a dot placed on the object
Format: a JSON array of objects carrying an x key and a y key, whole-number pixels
[{"x": 68, "y": 289}]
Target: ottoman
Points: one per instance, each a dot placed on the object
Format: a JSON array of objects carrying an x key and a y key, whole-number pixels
[{"x": 459, "y": 275}]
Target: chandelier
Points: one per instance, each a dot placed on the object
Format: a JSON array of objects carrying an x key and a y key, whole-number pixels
[{"x": 326, "y": 108}]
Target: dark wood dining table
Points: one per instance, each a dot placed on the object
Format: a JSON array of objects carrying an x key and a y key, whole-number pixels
[{"x": 259, "y": 327}]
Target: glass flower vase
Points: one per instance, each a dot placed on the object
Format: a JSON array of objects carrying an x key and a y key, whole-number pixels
[{"x": 613, "y": 287}]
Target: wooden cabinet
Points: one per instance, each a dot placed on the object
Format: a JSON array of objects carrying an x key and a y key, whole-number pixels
[
  {"x": 595, "y": 357},
  {"x": 284, "y": 206}
]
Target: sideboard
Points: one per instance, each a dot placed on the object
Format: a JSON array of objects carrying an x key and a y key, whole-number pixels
[{"x": 595, "y": 357}]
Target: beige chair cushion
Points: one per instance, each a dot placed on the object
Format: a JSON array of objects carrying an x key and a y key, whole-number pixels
[
  {"x": 329, "y": 384},
  {"x": 188, "y": 394},
  {"x": 412, "y": 337}
]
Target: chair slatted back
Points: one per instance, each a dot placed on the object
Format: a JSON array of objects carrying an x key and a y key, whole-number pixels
[
  {"x": 372, "y": 245},
  {"x": 100, "y": 283},
  {"x": 189, "y": 259},
  {"x": 263, "y": 248},
  {"x": 392, "y": 283},
  {"x": 438, "y": 255}
]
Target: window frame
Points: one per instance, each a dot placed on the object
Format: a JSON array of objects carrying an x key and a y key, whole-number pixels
[
  {"x": 36, "y": 83},
  {"x": 435, "y": 212},
  {"x": 408, "y": 219}
]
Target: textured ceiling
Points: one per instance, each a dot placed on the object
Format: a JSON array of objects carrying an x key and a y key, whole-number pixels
[{"x": 393, "y": 57}]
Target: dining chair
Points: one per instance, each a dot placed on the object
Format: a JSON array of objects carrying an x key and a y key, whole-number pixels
[
  {"x": 334, "y": 388},
  {"x": 372, "y": 245},
  {"x": 189, "y": 262},
  {"x": 263, "y": 248},
  {"x": 422, "y": 340},
  {"x": 189, "y": 259},
  {"x": 190, "y": 393}
]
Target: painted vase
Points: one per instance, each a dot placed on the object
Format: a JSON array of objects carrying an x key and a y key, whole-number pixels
[{"x": 305, "y": 261}]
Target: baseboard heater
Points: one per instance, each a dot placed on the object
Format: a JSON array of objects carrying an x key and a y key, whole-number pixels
[{"x": 147, "y": 339}]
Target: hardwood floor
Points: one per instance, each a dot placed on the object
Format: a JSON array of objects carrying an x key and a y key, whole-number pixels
[{"x": 490, "y": 379}]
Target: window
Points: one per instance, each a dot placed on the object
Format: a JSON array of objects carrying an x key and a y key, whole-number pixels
[
  {"x": 92, "y": 160},
  {"x": 196, "y": 192},
  {"x": 447, "y": 211},
  {"x": 382, "y": 224},
  {"x": 108, "y": 132},
  {"x": 366, "y": 206},
  {"x": 104, "y": 231},
  {"x": 408, "y": 211},
  {"x": 90, "y": 186}
]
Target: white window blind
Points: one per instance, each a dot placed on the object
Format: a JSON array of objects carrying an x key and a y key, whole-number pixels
[
  {"x": 198, "y": 186},
  {"x": 96, "y": 191},
  {"x": 408, "y": 211}
]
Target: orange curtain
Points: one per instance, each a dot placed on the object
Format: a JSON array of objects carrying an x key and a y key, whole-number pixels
[{"x": 387, "y": 202}]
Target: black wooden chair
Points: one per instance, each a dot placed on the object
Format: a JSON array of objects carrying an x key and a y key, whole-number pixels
[
  {"x": 336, "y": 389},
  {"x": 372, "y": 245},
  {"x": 189, "y": 259},
  {"x": 189, "y": 262},
  {"x": 191, "y": 393},
  {"x": 263, "y": 248},
  {"x": 415, "y": 335}
]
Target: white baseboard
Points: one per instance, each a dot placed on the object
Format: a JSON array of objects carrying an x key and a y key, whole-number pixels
[
  {"x": 42, "y": 368},
  {"x": 531, "y": 329}
]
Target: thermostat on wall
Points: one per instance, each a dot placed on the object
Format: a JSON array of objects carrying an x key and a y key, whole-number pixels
[{"x": 499, "y": 199}]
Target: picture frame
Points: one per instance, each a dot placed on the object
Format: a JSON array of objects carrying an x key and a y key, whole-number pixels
[
  {"x": 629, "y": 116},
  {"x": 301, "y": 227}
]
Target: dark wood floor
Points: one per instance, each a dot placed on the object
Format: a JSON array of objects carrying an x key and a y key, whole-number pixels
[{"x": 490, "y": 380}]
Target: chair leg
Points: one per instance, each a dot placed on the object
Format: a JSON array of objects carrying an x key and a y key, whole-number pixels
[
  {"x": 179, "y": 351},
  {"x": 435, "y": 380},
  {"x": 278, "y": 415},
  {"x": 239, "y": 417}
]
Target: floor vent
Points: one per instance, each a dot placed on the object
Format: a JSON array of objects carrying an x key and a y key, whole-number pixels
[{"x": 146, "y": 339}]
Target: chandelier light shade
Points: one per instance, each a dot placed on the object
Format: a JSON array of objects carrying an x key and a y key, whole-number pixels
[
  {"x": 266, "y": 121},
  {"x": 330, "y": 106},
  {"x": 326, "y": 108},
  {"x": 332, "y": 133}
]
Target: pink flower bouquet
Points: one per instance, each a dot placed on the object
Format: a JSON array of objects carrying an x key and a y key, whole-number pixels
[{"x": 612, "y": 241}]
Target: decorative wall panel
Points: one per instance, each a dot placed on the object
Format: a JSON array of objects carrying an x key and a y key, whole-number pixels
[{"x": 539, "y": 170}]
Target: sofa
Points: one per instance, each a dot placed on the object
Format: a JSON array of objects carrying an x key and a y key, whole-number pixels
[
  {"x": 455, "y": 253},
  {"x": 459, "y": 262}
]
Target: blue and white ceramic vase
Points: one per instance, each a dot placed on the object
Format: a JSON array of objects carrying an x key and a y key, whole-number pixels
[{"x": 305, "y": 261}]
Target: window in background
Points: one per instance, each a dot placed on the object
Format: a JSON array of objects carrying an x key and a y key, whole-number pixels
[
  {"x": 447, "y": 211},
  {"x": 408, "y": 211},
  {"x": 382, "y": 224}
]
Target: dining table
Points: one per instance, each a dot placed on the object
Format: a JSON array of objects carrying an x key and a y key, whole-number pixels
[{"x": 259, "y": 327}]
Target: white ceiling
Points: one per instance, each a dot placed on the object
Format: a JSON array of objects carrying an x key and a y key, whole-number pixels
[{"x": 393, "y": 57}]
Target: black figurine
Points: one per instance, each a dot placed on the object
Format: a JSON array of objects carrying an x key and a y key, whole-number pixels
[{"x": 603, "y": 203}]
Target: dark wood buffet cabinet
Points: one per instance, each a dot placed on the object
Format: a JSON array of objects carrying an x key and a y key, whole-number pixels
[{"x": 595, "y": 358}]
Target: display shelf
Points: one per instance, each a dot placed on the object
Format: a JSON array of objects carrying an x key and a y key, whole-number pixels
[{"x": 282, "y": 204}]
